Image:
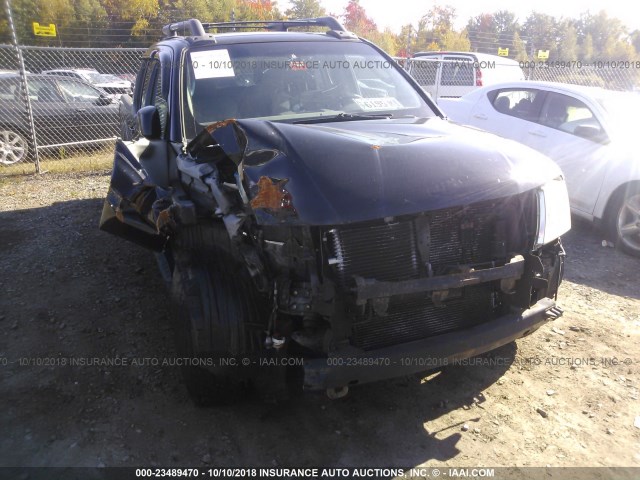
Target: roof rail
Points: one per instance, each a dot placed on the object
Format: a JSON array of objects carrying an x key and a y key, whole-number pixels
[
  {"x": 193, "y": 26},
  {"x": 196, "y": 28}
]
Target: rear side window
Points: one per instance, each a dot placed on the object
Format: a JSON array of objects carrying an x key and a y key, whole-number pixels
[
  {"x": 457, "y": 72},
  {"x": 425, "y": 70},
  {"x": 521, "y": 103},
  {"x": 77, "y": 92}
]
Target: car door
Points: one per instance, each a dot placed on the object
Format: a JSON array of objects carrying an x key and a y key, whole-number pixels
[
  {"x": 568, "y": 131},
  {"x": 94, "y": 116},
  {"x": 52, "y": 115},
  {"x": 141, "y": 165},
  {"x": 508, "y": 112}
]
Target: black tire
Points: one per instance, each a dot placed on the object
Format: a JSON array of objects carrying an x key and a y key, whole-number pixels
[
  {"x": 217, "y": 317},
  {"x": 14, "y": 146},
  {"x": 623, "y": 220}
]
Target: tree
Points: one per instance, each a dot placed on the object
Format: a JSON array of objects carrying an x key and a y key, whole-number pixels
[
  {"x": 519, "y": 48},
  {"x": 568, "y": 48},
  {"x": 90, "y": 19},
  {"x": 356, "y": 19},
  {"x": 305, "y": 9},
  {"x": 483, "y": 34},
  {"x": 457, "y": 42},
  {"x": 587, "y": 49},
  {"x": 506, "y": 26},
  {"x": 609, "y": 37},
  {"x": 256, "y": 10},
  {"x": 541, "y": 32},
  {"x": 434, "y": 26}
]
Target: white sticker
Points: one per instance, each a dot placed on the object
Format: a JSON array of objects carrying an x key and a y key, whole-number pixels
[
  {"x": 212, "y": 64},
  {"x": 380, "y": 103}
]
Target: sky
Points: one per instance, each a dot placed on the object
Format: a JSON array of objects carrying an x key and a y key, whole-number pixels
[{"x": 395, "y": 13}]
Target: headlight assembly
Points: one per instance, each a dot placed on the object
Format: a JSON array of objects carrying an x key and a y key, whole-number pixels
[{"x": 554, "y": 214}]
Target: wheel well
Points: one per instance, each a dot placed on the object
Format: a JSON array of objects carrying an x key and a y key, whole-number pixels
[
  {"x": 617, "y": 193},
  {"x": 18, "y": 129}
]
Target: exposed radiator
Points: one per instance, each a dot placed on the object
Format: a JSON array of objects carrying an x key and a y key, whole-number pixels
[
  {"x": 382, "y": 251},
  {"x": 414, "y": 317},
  {"x": 409, "y": 248}
]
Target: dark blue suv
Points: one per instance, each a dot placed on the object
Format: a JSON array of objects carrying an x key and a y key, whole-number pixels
[{"x": 319, "y": 222}]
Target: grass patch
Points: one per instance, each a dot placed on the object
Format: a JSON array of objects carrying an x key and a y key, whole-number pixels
[{"x": 75, "y": 162}]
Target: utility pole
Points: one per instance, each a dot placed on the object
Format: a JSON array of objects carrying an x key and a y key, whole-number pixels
[{"x": 24, "y": 85}]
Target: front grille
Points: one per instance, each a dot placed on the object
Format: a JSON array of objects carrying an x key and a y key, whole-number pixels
[
  {"x": 433, "y": 243},
  {"x": 414, "y": 317}
]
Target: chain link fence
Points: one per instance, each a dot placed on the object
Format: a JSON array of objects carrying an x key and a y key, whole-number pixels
[
  {"x": 63, "y": 106},
  {"x": 62, "y": 109},
  {"x": 450, "y": 78}
]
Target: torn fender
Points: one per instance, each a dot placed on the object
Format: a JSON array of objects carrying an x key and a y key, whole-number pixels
[{"x": 134, "y": 204}]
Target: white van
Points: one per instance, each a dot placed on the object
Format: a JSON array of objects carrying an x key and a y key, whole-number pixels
[{"x": 452, "y": 74}]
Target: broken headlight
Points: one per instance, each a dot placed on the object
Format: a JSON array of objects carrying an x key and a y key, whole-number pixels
[{"x": 554, "y": 215}]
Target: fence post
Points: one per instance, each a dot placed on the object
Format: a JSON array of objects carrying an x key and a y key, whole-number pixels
[{"x": 23, "y": 84}]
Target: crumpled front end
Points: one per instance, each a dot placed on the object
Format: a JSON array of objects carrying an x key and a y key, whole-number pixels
[{"x": 376, "y": 256}]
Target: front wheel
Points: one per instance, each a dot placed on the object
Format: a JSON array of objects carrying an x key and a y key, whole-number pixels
[
  {"x": 217, "y": 324},
  {"x": 14, "y": 147},
  {"x": 624, "y": 221}
]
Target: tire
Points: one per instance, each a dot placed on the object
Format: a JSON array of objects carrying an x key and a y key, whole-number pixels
[
  {"x": 14, "y": 147},
  {"x": 216, "y": 317},
  {"x": 623, "y": 221}
]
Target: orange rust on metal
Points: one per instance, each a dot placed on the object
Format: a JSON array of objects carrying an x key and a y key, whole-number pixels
[
  {"x": 214, "y": 126},
  {"x": 165, "y": 219},
  {"x": 271, "y": 195}
]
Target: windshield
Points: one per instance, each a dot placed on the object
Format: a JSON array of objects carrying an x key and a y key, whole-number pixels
[
  {"x": 94, "y": 77},
  {"x": 294, "y": 81}
]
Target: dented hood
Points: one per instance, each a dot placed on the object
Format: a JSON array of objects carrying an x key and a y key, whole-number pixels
[{"x": 351, "y": 171}]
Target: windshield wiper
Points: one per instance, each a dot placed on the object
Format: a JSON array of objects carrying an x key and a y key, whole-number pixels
[{"x": 345, "y": 117}]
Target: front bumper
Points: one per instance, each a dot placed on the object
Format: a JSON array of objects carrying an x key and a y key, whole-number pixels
[{"x": 344, "y": 369}]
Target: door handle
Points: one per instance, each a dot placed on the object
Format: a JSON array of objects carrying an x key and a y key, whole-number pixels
[
  {"x": 480, "y": 116},
  {"x": 538, "y": 133}
]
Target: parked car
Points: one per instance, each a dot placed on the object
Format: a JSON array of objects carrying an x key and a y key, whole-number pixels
[
  {"x": 113, "y": 85},
  {"x": 589, "y": 132},
  {"x": 318, "y": 221},
  {"x": 65, "y": 111},
  {"x": 453, "y": 74}
]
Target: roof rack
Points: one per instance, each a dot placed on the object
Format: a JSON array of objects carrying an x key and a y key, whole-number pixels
[{"x": 196, "y": 28}]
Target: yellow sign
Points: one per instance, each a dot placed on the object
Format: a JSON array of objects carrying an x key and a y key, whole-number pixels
[
  {"x": 543, "y": 54},
  {"x": 44, "y": 30},
  {"x": 503, "y": 52}
]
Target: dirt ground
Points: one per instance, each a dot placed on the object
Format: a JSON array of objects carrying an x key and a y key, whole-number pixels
[{"x": 565, "y": 396}]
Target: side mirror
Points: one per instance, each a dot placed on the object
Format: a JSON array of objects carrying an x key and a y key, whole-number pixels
[
  {"x": 591, "y": 132},
  {"x": 149, "y": 122}
]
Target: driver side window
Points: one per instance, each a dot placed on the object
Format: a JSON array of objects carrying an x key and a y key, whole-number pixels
[{"x": 570, "y": 115}]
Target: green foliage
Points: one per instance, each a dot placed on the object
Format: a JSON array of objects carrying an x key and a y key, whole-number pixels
[
  {"x": 108, "y": 23},
  {"x": 305, "y": 9}
]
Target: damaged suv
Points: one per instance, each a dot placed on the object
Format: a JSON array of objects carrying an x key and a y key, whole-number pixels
[{"x": 319, "y": 222}]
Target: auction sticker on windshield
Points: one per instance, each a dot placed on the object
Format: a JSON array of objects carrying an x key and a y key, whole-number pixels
[
  {"x": 380, "y": 103},
  {"x": 212, "y": 64}
]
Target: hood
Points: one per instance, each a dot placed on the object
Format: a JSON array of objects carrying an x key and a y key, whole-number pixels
[{"x": 351, "y": 171}]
